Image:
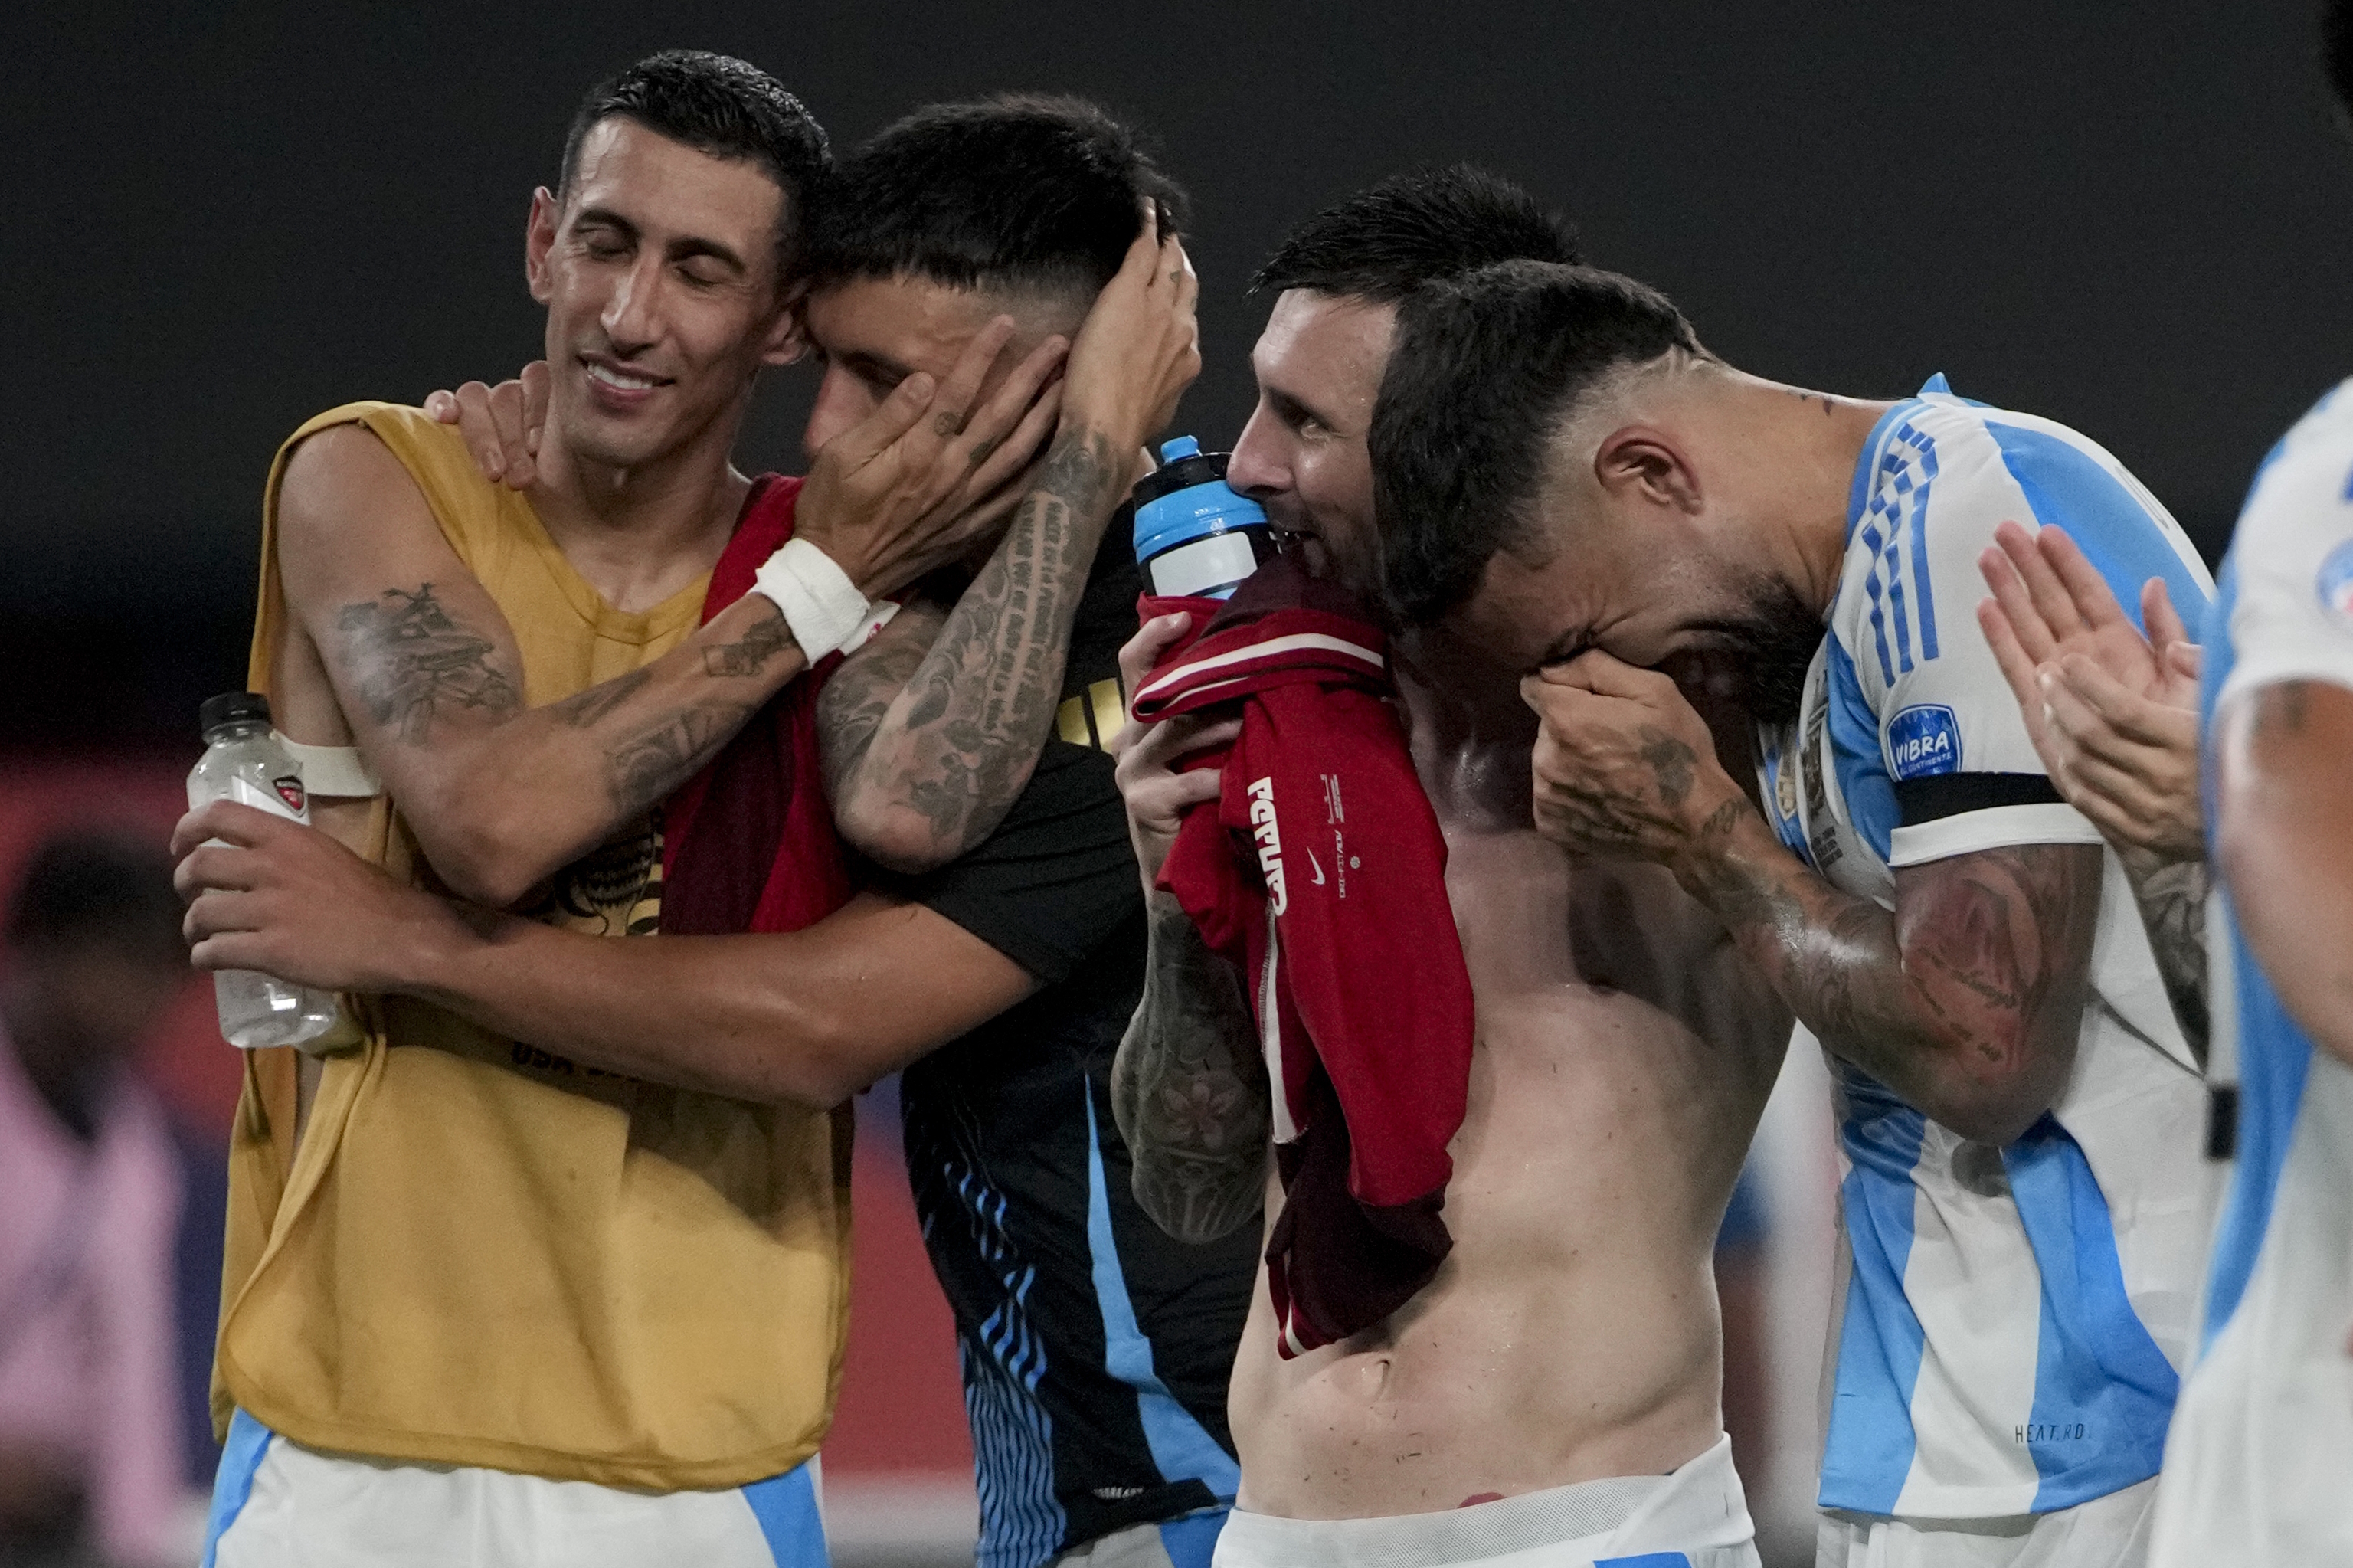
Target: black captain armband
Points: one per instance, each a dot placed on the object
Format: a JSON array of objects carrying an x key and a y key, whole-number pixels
[{"x": 1942, "y": 795}]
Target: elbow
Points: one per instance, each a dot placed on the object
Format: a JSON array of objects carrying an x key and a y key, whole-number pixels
[
  {"x": 1173, "y": 1222},
  {"x": 488, "y": 846},
  {"x": 1195, "y": 1217},
  {"x": 485, "y": 846},
  {"x": 826, "y": 1087},
  {"x": 829, "y": 1062},
  {"x": 2005, "y": 1093},
  {"x": 896, "y": 838},
  {"x": 1998, "y": 1120},
  {"x": 476, "y": 867}
]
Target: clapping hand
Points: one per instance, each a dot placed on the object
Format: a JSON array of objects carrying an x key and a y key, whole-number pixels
[{"x": 2112, "y": 713}]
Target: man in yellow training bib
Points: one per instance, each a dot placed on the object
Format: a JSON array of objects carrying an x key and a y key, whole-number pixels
[{"x": 482, "y": 1303}]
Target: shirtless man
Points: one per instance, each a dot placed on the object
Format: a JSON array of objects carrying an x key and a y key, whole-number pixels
[{"x": 1563, "y": 1370}]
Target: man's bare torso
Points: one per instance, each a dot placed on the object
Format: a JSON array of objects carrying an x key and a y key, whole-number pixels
[{"x": 1623, "y": 1057}]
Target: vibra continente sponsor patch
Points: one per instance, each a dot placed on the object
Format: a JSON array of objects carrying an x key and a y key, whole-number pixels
[{"x": 1924, "y": 740}]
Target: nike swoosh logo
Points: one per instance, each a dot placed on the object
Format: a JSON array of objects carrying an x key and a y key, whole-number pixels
[{"x": 1316, "y": 866}]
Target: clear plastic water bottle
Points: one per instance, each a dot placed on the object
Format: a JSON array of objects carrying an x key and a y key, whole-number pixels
[{"x": 244, "y": 762}]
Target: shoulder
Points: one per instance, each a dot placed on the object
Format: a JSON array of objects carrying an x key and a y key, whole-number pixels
[
  {"x": 2303, "y": 489},
  {"x": 375, "y": 474},
  {"x": 1932, "y": 485},
  {"x": 368, "y": 444}
]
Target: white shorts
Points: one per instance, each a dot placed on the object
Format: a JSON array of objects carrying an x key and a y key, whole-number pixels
[
  {"x": 1695, "y": 1518},
  {"x": 2106, "y": 1532},
  {"x": 276, "y": 1504}
]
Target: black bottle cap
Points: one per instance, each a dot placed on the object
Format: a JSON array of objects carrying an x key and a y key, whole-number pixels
[
  {"x": 232, "y": 708},
  {"x": 1200, "y": 468}
]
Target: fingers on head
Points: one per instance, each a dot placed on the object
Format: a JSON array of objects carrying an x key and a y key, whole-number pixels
[
  {"x": 891, "y": 419},
  {"x": 972, "y": 366},
  {"x": 1015, "y": 453},
  {"x": 1016, "y": 397}
]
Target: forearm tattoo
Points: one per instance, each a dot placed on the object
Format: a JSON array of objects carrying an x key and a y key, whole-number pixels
[
  {"x": 2172, "y": 899},
  {"x": 751, "y": 653},
  {"x": 1187, "y": 1088},
  {"x": 413, "y": 663},
  {"x": 976, "y": 710},
  {"x": 853, "y": 705},
  {"x": 410, "y": 662},
  {"x": 647, "y": 766}
]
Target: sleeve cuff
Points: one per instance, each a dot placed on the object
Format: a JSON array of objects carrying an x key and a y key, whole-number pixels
[{"x": 1998, "y": 827}]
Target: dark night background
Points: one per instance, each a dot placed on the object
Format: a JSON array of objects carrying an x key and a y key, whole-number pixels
[{"x": 220, "y": 219}]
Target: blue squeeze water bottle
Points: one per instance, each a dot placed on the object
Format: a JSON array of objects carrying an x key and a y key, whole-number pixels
[{"x": 1196, "y": 535}]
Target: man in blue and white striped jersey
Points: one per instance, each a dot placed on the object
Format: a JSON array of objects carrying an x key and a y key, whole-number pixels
[{"x": 1566, "y": 477}]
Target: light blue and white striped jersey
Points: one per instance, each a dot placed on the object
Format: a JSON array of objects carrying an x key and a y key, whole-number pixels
[
  {"x": 2010, "y": 1320},
  {"x": 2260, "y": 1466}
]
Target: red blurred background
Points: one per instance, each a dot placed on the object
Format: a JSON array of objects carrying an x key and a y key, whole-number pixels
[{"x": 898, "y": 1467}]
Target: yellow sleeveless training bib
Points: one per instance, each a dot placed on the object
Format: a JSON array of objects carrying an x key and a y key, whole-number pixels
[{"x": 484, "y": 1254}]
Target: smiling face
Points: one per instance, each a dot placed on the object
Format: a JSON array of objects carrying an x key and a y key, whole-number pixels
[
  {"x": 871, "y": 334},
  {"x": 1303, "y": 454},
  {"x": 658, "y": 269}
]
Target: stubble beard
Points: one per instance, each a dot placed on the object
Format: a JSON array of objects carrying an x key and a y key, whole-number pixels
[{"x": 1766, "y": 652}]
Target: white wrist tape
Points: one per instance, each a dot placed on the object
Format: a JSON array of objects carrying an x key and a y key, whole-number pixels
[{"x": 821, "y": 605}]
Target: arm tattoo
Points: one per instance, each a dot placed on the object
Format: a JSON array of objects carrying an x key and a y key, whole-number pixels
[
  {"x": 976, "y": 711},
  {"x": 1671, "y": 763},
  {"x": 1187, "y": 1088},
  {"x": 851, "y": 707},
  {"x": 2172, "y": 899},
  {"x": 648, "y": 765},
  {"x": 585, "y": 709},
  {"x": 1980, "y": 972},
  {"x": 411, "y": 661},
  {"x": 749, "y": 654}
]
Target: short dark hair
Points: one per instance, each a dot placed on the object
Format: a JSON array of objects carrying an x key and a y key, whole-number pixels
[
  {"x": 1483, "y": 370},
  {"x": 1428, "y": 223},
  {"x": 94, "y": 887},
  {"x": 1014, "y": 191},
  {"x": 719, "y": 105}
]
